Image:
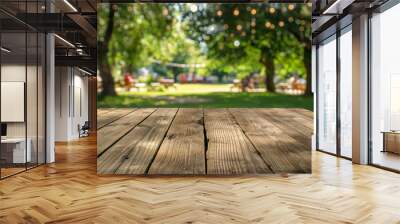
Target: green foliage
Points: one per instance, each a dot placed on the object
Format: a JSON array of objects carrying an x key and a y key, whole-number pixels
[
  {"x": 147, "y": 33},
  {"x": 140, "y": 32},
  {"x": 247, "y": 33}
]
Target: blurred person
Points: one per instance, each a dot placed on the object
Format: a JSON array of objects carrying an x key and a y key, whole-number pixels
[{"x": 128, "y": 81}]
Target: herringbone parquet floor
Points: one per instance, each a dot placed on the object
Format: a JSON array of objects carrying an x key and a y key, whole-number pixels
[{"x": 69, "y": 191}]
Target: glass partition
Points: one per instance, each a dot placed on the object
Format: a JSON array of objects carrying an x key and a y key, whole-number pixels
[
  {"x": 327, "y": 95},
  {"x": 346, "y": 92},
  {"x": 22, "y": 94},
  {"x": 385, "y": 89},
  {"x": 13, "y": 94}
]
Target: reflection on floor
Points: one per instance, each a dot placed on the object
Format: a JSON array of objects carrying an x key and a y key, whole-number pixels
[
  {"x": 11, "y": 169},
  {"x": 70, "y": 191},
  {"x": 387, "y": 159}
]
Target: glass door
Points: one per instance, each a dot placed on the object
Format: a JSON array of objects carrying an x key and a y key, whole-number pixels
[
  {"x": 385, "y": 89},
  {"x": 327, "y": 95},
  {"x": 346, "y": 95}
]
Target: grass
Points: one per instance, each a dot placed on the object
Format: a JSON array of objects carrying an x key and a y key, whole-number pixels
[{"x": 206, "y": 96}]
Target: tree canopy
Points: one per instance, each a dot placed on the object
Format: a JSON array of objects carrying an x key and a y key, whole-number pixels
[{"x": 225, "y": 38}]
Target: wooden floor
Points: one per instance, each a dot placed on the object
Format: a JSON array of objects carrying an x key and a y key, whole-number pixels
[
  {"x": 171, "y": 141},
  {"x": 70, "y": 191}
]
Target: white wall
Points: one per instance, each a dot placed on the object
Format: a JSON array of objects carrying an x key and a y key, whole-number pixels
[{"x": 71, "y": 102}]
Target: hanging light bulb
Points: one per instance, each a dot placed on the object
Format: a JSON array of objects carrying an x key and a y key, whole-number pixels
[
  {"x": 193, "y": 8},
  {"x": 268, "y": 24},
  {"x": 281, "y": 23},
  {"x": 219, "y": 13},
  {"x": 236, "y": 12},
  {"x": 272, "y": 10},
  {"x": 253, "y": 11},
  {"x": 239, "y": 27},
  {"x": 253, "y": 23},
  {"x": 165, "y": 12},
  {"x": 291, "y": 7},
  {"x": 236, "y": 43}
]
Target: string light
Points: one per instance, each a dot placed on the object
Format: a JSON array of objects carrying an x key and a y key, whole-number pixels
[
  {"x": 236, "y": 12},
  {"x": 219, "y": 13},
  {"x": 281, "y": 23},
  {"x": 268, "y": 24},
  {"x": 239, "y": 27},
  {"x": 291, "y": 7},
  {"x": 193, "y": 8},
  {"x": 165, "y": 12},
  {"x": 226, "y": 26},
  {"x": 253, "y": 11},
  {"x": 253, "y": 23},
  {"x": 272, "y": 10}
]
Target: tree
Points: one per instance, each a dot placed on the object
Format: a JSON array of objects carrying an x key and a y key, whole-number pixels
[
  {"x": 105, "y": 70},
  {"x": 237, "y": 32},
  {"x": 128, "y": 35}
]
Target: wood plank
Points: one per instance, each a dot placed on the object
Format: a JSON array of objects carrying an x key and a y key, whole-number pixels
[
  {"x": 307, "y": 113},
  {"x": 292, "y": 129},
  {"x": 303, "y": 116},
  {"x": 133, "y": 153},
  {"x": 104, "y": 110},
  {"x": 111, "y": 116},
  {"x": 112, "y": 132},
  {"x": 183, "y": 150},
  {"x": 296, "y": 120},
  {"x": 277, "y": 149},
  {"x": 229, "y": 151}
]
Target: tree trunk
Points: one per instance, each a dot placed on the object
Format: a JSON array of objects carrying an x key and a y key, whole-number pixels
[
  {"x": 269, "y": 74},
  {"x": 176, "y": 77},
  {"x": 105, "y": 68},
  {"x": 307, "y": 65}
]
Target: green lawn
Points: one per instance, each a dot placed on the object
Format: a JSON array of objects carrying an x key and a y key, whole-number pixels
[{"x": 207, "y": 96}]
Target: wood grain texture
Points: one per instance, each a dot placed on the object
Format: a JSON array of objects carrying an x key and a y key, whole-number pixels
[
  {"x": 112, "y": 132},
  {"x": 183, "y": 149},
  {"x": 103, "y": 111},
  {"x": 134, "y": 153},
  {"x": 229, "y": 151},
  {"x": 70, "y": 191},
  {"x": 215, "y": 142},
  {"x": 284, "y": 121},
  {"x": 112, "y": 116},
  {"x": 277, "y": 149}
]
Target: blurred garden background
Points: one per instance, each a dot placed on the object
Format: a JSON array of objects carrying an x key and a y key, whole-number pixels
[{"x": 204, "y": 55}]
